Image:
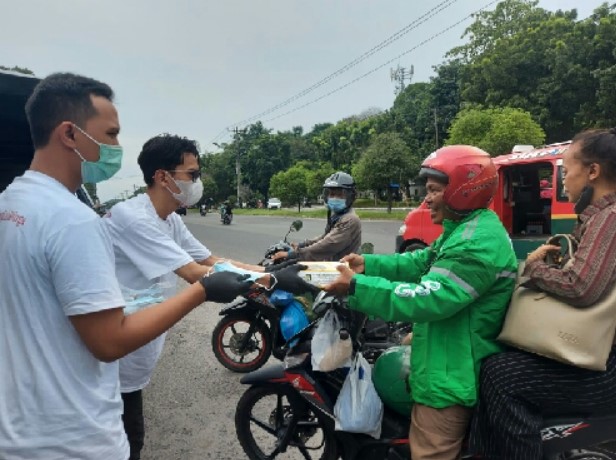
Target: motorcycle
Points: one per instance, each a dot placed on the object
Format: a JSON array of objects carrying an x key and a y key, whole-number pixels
[
  {"x": 290, "y": 407},
  {"x": 250, "y": 331},
  {"x": 203, "y": 210},
  {"x": 226, "y": 216}
]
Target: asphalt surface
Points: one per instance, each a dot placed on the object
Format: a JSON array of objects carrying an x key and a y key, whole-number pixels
[{"x": 190, "y": 403}]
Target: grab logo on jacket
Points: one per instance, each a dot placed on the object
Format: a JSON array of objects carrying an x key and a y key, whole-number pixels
[{"x": 422, "y": 289}]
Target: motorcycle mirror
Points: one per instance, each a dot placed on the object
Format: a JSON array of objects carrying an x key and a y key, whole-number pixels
[
  {"x": 296, "y": 225},
  {"x": 367, "y": 248}
]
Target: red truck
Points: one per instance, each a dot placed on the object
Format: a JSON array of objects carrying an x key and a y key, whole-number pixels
[{"x": 530, "y": 202}]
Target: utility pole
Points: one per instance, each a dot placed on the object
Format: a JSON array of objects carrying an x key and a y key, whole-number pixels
[
  {"x": 436, "y": 128},
  {"x": 399, "y": 75},
  {"x": 238, "y": 171}
]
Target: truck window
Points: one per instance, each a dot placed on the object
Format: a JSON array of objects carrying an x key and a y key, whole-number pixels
[
  {"x": 16, "y": 148},
  {"x": 560, "y": 189},
  {"x": 528, "y": 195}
]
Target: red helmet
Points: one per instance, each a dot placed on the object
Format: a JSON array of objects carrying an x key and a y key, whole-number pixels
[{"x": 469, "y": 174}]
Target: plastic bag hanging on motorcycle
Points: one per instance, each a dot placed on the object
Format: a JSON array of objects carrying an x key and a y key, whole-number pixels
[
  {"x": 358, "y": 408},
  {"x": 331, "y": 346}
]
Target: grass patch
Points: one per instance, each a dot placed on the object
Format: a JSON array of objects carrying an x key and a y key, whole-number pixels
[
  {"x": 369, "y": 203},
  {"x": 366, "y": 214}
]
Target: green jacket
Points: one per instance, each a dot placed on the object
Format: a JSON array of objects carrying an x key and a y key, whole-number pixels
[{"x": 456, "y": 292}]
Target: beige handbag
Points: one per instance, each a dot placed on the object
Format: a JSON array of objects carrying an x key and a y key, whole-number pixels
[{"x": 547, "y": 326}]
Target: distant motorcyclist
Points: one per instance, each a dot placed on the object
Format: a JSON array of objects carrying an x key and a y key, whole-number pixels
[
  {"x": 342, "y": 234},
  {"x": 226, "y": 208}
]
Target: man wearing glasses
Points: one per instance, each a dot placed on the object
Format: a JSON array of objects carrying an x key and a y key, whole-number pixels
[{"x": 152, "y": 247}]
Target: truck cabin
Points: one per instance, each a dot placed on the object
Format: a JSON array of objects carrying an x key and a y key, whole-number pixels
[{"x": 16, "y": 148}]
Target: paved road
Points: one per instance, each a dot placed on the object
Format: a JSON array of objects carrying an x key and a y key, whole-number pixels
[
  {"x": 248, "y": 236},
  {"x": 190, "y": 403}
]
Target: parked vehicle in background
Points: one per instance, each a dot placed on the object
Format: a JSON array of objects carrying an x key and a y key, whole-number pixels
[
  {"x": 15, "y": 141},
  {"x": 530, "y": 202},
  {"x": 181, "y": 211},
  {"x": 274, "y": 203}
]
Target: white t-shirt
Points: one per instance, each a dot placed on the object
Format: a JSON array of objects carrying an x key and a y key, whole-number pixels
[
  {"x": 148, "y": 250},
  {"x": 57, "y": 401}
]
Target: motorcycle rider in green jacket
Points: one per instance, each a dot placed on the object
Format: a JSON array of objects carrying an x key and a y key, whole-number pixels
[{"x": 455, "y": 292}]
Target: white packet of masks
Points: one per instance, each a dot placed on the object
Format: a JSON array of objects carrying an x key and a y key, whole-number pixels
[{"x": 320, "y": 273}]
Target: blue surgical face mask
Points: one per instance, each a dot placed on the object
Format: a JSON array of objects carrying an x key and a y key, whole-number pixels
[
  {"x": 336, "y": 204},
  {"x": 109, "y": 161}
]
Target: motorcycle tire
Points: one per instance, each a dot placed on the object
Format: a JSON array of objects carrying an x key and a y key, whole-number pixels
[
  {"x": 227, "y": 352},
  {"x": 271, "y": 409},
  {"x": 590, "y": 454}
]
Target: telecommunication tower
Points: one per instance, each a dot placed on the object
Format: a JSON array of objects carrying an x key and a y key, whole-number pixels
[{"x": 399, "y": 75}]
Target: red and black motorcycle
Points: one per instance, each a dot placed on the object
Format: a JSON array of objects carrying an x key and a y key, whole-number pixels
[
  {"x": 290, "y": 407},
  {"x": 256, "y": 326}
]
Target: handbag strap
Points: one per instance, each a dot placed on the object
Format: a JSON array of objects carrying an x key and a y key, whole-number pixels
[{"x": 570, "y": 247}]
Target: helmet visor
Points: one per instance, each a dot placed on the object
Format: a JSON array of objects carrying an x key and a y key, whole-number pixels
[{"x": 430, "y": 173}]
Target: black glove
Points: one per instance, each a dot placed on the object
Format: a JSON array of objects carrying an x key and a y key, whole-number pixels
[
  {"x": 274, "y": 267},
  {"x": 288, "y": 279},
  {"x": 225, "y": 286}
]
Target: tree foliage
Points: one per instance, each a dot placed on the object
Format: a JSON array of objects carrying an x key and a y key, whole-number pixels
[
  {"x": 17, "y": 69},
  {"x": 495, "y": 130},
  {"x": 387, "y": 160},
  {"x": 291, "y": 185},
  {"x": 546, "y": 63},
  {"x": 525, "y": 75}
]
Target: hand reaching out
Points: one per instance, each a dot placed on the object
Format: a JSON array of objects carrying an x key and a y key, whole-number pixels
[
  {"x": 341, "y": 285},
  {"x": 356, "y": 262}
]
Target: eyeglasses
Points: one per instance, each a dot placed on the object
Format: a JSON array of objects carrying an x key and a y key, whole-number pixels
[{"x": 195, "y": 174}]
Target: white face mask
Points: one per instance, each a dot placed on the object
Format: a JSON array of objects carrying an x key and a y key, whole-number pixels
[{"x": 190, "y": 192}]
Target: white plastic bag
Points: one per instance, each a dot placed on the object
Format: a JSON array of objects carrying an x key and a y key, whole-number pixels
[
  {"x": 358, "y": 408},
  {"x": 328, "y": 350}
]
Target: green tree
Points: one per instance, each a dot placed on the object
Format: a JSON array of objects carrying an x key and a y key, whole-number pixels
[
  {"x": 550, "y": 64},
  {"x": 265, "y": 156},
  {"x": 413, "y": 114},
  {"x": 509, "y": 18},
  {"x": 495, "y": 130},
  {"x": 342, "y": 143},
  {"x": 210, "y": 189},
  {"x": 316, "y": 178},
  {"x": 316, "y": 173},
  {"x": 221, "y": 168},
  {"x": 387, "y": 160},
  {"x": 317, "y": 130},
  {"x": 290, "y": 185},
  {"x": 18, "y": 69},
  {"x": 446, "y": 97}
]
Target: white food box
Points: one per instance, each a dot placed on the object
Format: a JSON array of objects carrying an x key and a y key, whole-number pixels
[{"x": 321, "y": 273}]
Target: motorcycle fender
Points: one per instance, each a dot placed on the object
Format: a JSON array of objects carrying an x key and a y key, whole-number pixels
[{"x": 267, "y": 374}]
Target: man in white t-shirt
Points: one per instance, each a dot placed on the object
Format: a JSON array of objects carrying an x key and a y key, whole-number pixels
[
  {"x": 152, "y": 245},
  {"x": 62, "y": 323}
]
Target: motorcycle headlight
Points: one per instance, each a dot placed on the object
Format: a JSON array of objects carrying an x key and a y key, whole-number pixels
[{"x": 402, "y": 229}]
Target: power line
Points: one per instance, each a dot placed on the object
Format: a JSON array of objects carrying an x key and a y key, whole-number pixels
[
  {"x": 414, "y": 24},
  {"x": 386, "y": 63}
]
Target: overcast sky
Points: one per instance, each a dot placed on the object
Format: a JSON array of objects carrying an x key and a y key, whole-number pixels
[{"x": 194, "y": 67}]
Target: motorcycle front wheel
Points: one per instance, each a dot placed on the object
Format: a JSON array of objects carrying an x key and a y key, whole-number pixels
[
  {"x": 241, "y": 343},
  {"x": 272, "y": 421}
]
